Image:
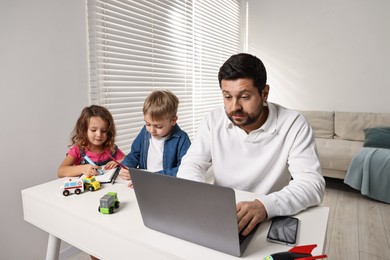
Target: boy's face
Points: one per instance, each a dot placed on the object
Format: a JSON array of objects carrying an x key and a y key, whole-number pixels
[{"x": 159, "y": 128}]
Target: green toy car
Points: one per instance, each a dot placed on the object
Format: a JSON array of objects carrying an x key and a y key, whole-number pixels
[{"x": 108, "y": 203}]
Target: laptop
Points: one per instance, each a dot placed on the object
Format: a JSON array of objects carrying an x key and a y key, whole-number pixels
[{"x": 201, "y": 213}]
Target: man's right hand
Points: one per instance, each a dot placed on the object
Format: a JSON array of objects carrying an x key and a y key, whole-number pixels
[{"x": 249, "y": 214}]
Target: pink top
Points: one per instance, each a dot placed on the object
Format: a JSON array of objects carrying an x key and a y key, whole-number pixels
[{"x": 74, "y": 151}]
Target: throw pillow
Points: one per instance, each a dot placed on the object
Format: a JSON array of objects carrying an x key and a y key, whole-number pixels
[{"x": 378, "y": 137}]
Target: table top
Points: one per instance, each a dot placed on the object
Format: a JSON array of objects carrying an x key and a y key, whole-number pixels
[{"x": 76, "y": 220}]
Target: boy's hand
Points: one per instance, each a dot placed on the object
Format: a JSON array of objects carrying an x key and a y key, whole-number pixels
[{"x": 124, "y": 174}]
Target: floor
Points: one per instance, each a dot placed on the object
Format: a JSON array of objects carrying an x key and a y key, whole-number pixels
[
  {"x": 358, "y": 227},
  {"x": 80, "y": 256}
]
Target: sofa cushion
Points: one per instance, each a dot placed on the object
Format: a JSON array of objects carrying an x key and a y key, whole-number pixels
[
  {"x": 378, "y": 137},
  {"x": 337, "y": 154},
  {"x": 351, "y": 125},
  {"x": 321, "y": 122}
]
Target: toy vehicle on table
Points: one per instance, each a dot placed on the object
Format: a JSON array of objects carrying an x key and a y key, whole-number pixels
[
  {"x": 73, "y": 185},
  {"x": 91, "y": 183},
  {"x": 108, "y": 203}
]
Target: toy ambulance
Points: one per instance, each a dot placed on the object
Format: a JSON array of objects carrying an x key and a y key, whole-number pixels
[{"x": 73, "y": 185}]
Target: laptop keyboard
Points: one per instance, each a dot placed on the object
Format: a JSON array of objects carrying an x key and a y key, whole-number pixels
[{"x": 241, "y": 237}]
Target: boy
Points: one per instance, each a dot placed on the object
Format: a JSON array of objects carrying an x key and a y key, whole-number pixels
[{"x": 161, "y": 143}]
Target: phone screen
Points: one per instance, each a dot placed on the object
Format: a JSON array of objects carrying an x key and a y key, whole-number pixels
[{"x": 283, "y": 230}]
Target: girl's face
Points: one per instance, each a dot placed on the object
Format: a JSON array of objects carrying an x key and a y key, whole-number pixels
[
  {"x": 97, "y": 132},
  {"x": 159, "y": 128}
]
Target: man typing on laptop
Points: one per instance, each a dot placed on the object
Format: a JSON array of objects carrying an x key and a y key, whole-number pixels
[{"x": 257, "y": 146}]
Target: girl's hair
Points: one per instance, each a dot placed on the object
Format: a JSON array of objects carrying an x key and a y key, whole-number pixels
[
  {"x": 79, "y": 134},
  {"x": 161, "y": 104}
]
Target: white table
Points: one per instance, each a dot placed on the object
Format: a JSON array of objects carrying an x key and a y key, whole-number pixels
[{"x": 76, "y": 220}]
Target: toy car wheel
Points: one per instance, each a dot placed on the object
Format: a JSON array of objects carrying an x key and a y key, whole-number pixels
[
  {"x": 91, "y": 188},
  {"x": 77, "y": 191},
  {"x": 99, "y": 208},
  {"x": 65, "y": 193},
  {"x": 111, "y": 210},
  {"x": 116, "y": 204}
]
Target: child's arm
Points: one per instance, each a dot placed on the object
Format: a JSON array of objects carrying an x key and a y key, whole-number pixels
[
  {"x": 67, "y": 169},
  {"x": 132, "y": 160}
]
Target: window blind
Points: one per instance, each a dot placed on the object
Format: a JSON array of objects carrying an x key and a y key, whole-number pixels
[{"x": 138, "y": 46}]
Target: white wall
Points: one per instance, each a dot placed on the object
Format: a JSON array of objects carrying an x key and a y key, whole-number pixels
[
  {"x": 324, "y": 55},
  {"x": 44, "y": 86},
  {"x": 320, "y": 55}
]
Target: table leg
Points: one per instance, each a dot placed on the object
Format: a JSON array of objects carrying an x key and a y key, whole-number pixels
[{"x": 53, "y": 248}]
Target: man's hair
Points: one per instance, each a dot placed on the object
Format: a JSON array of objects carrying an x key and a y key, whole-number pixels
[
  {"x": 244, "y": 65},
  {"x": 79, "y": 134},
  {"x": 161, "y": 105}
]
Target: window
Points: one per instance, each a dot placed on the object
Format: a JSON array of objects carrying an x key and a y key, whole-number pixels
[{"x": 138, "y": 46}]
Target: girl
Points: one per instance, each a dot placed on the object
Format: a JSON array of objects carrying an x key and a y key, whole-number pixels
[{"x": 94, "y": 136}]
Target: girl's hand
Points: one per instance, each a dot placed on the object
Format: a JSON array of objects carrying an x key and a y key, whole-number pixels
[
  {"x": 110, "y": 165},
  {"x": 90, "y": 169}
]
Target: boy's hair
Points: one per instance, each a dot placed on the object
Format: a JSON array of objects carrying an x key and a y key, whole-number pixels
[
  {"x": 161, "y": 105},
  {"x": 79, "y": 134},
  {"x": 241, "y": 66}
]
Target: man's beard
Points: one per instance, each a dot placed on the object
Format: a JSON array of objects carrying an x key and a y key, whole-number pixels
[{"x": 248, "y": 119}]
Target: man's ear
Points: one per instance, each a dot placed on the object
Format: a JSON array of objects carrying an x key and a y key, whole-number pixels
[{"x": 264, "y": 93}]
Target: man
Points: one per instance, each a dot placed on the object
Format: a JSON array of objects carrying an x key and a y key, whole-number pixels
[{"x": 257, "y": 146}]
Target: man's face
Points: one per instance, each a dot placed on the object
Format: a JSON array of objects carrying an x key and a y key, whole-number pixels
[{"x": 243, "y": 103}]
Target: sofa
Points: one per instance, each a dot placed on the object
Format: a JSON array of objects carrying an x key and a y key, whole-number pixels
[{"x": 340, "y": 136}]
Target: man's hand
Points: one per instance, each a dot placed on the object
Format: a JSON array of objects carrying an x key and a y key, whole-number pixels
[{"x": 249, "y": 214}]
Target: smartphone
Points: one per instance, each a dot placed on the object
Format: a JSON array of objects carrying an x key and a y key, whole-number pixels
[{"x": 283, "y": 230}]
